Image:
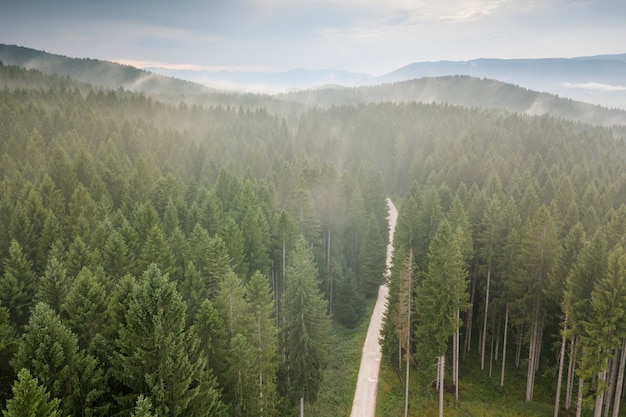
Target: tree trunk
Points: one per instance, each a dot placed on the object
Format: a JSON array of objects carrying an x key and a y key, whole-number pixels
[
  {"x": 468, "y": 324},
  {"x": 302, "y": 406},
  {"x": 491, "y": 355},
  {"x": 484, "y": 334},
  {"x": 560, "y": 377},
  {"x": 620, "y": 380},
  {"x": 330, "y": 276},
  {"x": 570, "y": 374},
  {"x": 579, "y": 402},
  {"x": 518, "y": 353},
  {"x": 597, "y": 412},
  {"x": 457, "y": 346},
  {"x": 532, "y": 354},
  {"x": 408, "y": 342},
  {"x": 608, "y": 398},
  {"x": 442, "y": 360},
  {"x": 506, "y": 331}
]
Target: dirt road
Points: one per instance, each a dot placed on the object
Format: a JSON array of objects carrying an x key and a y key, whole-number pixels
[{"x": 364, "y": 404}]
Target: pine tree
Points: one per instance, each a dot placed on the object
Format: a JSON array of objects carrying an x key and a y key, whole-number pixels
[
  {"x": 18, "y": 286},
  {"x": 8, "y": 345},
  {"x": 156, "y": 355},
  {"x": 539, "y": 252},
  {"x": 604, "y": 329},
  {"x": 49, "y": 351},
  {"x": 256, "y": 241},
  {"x": 263, "y": 341},
  {"x": 86, "y": 307},
  {"x": 442, "y": 293},
  {"x": 210, "y": 329},
  {"x": 54, "y": 285},
  {"x": 491, "y": 241},
  {"x": 30, "y": 399},
  {"x": 371, "y": 258},
  {"x": 156, "y": 250},
  {"x": 143, "y": 407},
  {"x": 306, "y": 328}
]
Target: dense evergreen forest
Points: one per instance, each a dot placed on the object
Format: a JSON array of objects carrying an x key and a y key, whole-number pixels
[{"x": 185, "y": 259}]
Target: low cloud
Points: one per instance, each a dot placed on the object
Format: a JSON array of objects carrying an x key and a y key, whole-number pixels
[{"x": 595, "y": 86}]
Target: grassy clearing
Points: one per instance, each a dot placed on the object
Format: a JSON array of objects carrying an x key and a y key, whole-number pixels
[
  {"x": 339, "y": 378},
  {"x": 479, "y": 395}
]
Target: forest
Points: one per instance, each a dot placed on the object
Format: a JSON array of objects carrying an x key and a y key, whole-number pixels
[{"x": 181, "y": 258}]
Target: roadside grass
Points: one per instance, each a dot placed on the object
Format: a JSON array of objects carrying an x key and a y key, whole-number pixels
[
  {"x": 479, "y": 395},
  {"x": 340, "y": 375}
]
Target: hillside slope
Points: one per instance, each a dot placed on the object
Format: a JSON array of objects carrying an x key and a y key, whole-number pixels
[{"x": 465, "y": 91}]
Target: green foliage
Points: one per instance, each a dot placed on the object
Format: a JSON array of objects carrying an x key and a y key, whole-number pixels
[
  {"x": 441, "y": 292},
  {"x": 30, "y": 399},
  {"x": 156, "y": 355},
  {"x": 114, "y": 181},
  {"x": 306, "y": 327},
  {"x": 17, "y": 286}
]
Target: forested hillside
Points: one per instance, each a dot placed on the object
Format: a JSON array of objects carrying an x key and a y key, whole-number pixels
[{"x": 190, "y": 260}]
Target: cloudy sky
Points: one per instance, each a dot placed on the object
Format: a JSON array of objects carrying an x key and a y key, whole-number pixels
[{"x": 368, "y": 36}]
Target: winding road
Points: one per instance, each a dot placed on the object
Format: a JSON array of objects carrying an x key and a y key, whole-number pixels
[{"x": 364, "y": 404}]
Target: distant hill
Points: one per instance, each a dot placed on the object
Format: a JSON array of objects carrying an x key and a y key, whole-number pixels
[
  {"x": 596, "y": 79},
  {"x": 270, "y": 82},
  {"x": 98, "y": 73},
  {"x": 464, "y": 91},
  {"x": 457, "y": 90}
]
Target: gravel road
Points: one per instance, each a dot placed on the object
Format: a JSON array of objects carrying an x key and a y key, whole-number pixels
[{"x": 364, "y": 404}]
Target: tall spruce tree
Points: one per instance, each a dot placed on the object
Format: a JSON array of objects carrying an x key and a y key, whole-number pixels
[
  {"x": 307, "y": 327},
  {"x": 441, "y": 294},
  {"x": 155, "y": 354},
  {"x": 264, "y": 346},
  {"x": 30, "y": 399}
]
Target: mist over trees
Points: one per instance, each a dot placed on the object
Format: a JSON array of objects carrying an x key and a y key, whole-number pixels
[{"x": 153, "y": 255}]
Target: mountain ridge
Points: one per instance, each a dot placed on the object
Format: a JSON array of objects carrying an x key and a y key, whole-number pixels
[{"x": 462, "y": 90}]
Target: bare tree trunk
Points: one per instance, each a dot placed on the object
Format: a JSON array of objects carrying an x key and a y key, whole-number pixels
[
  {"x": 560, "y": 377},
  {"x": 442, "y": 360},
  {"x": 468, "y": 325},
  {"x": 597, "y": 412},
  {"x": 570, "y": 374},
  {"x": 302, "y": 406},
  {"x": 579, "y": 402},
  {"x": 506, "y": 331},
  {"x": 491, "y": 355},
  {"x": 608, "y": 397},
  {"x": 484, "y": 334},
  {"x": 457, "y": 347},
  {"x": 532, "y": 354},
  {"x": 620, "y": 380},
  {"x": 330, "y": 276},
  {"x": 408, "y": 342},
  {"x": 518, "y": 353}
]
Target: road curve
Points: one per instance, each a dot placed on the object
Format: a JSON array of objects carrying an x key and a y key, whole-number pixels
[{"x": 364, "y": 404}]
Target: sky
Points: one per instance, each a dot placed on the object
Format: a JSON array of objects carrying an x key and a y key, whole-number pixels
[{"x": 365, "y": 36}]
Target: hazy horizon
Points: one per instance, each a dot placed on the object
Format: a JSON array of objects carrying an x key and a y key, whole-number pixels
[{"x": 374, "y": 38}]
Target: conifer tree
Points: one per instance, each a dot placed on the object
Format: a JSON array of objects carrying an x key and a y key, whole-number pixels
[
  {"x": 156, "y": 250},
  {"x": 86, "y": 307},
  {"x": 604, "y": 329},
  {"x": 209, "y": 327},
  {"x": 306, "y": 328},
  {"x": 54, "y": 285},
  {"x": 143, "y": 407},
  {"x": 263, "y": 341},
  {"x": 30, "y": 399},
  {"x": 441, "y": 294},
  {"x": 539, "y": 251},
  {"x": 156, "y": 355},
  {"x": 18, "y": 286},
  {"x": 50, "y": 351}
]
